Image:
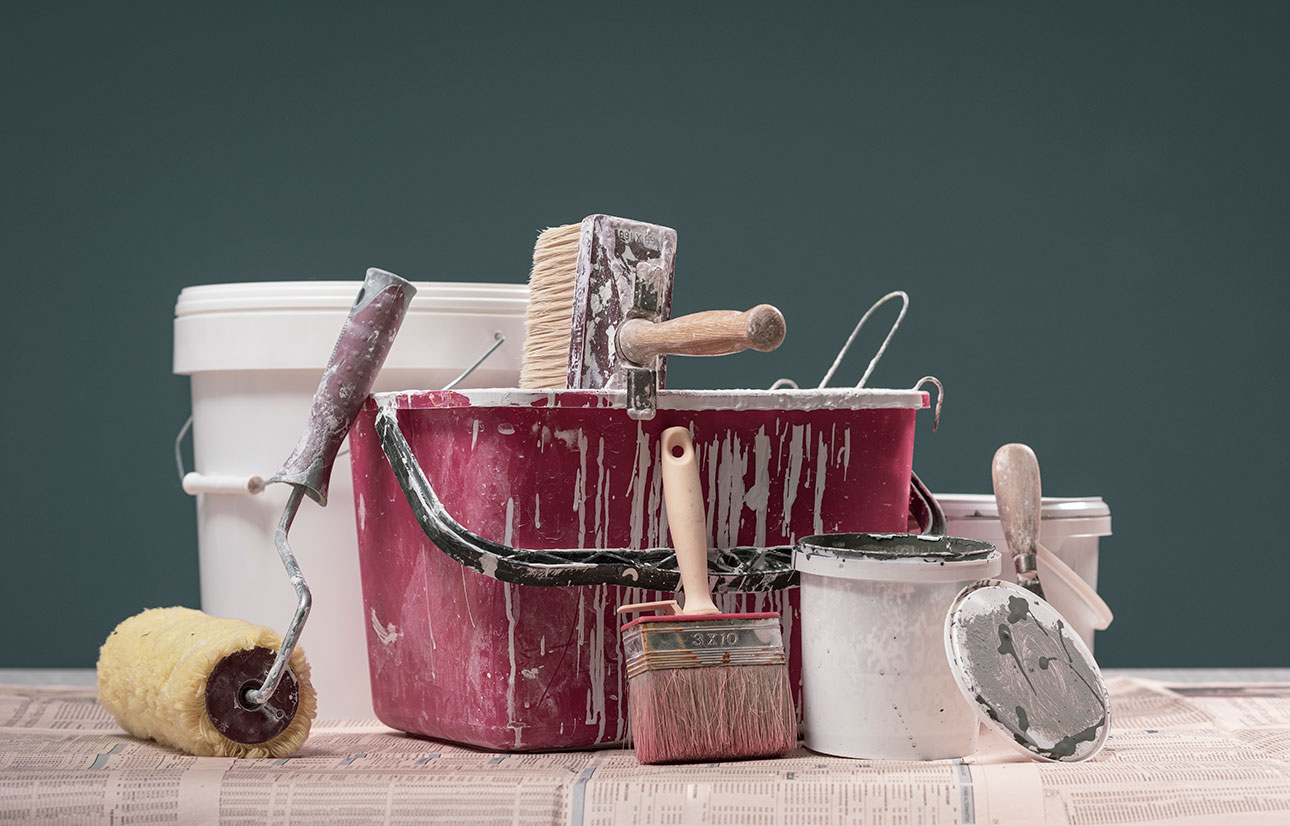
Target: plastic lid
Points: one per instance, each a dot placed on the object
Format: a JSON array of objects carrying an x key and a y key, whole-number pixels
[
  {"x": 982, "y": 506},
  {"x": 1029, "y": 677},
  {"x": 896, "y": 557},
  {"x": 439, "y": 296}
]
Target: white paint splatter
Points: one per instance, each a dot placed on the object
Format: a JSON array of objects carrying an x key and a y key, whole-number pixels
[
  {"x": 385, "y": 634},
  {"x": 474, "y": 433}
]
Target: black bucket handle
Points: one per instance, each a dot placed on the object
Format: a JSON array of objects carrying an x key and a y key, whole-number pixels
[{"x": 739, "y": 569}]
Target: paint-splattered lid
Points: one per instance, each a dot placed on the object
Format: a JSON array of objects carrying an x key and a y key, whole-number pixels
[{"x": 1030, "y": 677}]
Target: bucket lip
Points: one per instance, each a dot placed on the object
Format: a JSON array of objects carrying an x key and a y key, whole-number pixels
[
  {"x": 285, "y": 296},
  {"x": 832, "y": 398},
  {"x": 896, "y": 557},
  {"x": 983, "y": 506}
]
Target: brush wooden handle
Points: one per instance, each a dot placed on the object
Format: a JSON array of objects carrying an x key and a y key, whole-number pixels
[
  {"x": 710, "y": 333},
  {"x": 685, "y": 519}
]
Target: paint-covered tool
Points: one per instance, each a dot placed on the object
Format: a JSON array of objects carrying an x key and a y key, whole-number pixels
[
  {"x": 1019, "y": 494},
  {"x": 1015, "y": 661},
  {"x": 216, "y": 686},
  {"x": 702, "y": 684},
  {"x": 600, "y": 296},
  {"x": 1028, "y": 674}
]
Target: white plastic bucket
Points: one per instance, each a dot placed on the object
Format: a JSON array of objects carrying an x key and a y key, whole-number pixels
[
  {"x": 875, "y": 679},
  {"x": 1069, "y": 527},
  {"x": 255, "y": 353}
]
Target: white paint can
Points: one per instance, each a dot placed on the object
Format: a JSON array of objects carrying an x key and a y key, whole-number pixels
[
  {"x": 1068, "y": 526},
  {"x": 875, "y": 678},
  {"x": 255, "y": 352}
]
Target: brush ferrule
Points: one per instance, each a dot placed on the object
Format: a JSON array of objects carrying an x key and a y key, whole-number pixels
[{"x": 699, "y": 643}]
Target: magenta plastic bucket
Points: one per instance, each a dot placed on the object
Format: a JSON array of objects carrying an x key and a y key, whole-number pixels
[{"x": 460, "y": 656}]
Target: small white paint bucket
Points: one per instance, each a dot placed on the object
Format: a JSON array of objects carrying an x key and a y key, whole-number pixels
[
  {"x": 875, "y": 678},
  {"x": 1068, "y": 526},
  {"x": 256, "y": 352}
]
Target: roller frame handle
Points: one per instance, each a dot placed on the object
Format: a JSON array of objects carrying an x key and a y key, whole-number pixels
[
  {"x": 360, "y": 351},
  {"x": 1018, "y": 492},
  {"x": 685, "y": 520},
  {"x": 710, "y": 333}
]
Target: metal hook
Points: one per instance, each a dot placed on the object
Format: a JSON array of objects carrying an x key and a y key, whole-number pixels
[{"x": 940, "y": 397}]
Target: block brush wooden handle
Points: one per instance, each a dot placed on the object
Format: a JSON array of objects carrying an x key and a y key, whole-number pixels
[{"x": 710, "y": 333}]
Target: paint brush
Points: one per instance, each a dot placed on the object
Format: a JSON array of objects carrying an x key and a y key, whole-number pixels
[
  {"x": 703, "y": 685},
  {"x": 600, "y": 299}
]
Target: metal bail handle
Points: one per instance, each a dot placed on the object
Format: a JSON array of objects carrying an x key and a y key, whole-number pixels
[{"x": 745, "y": 569}]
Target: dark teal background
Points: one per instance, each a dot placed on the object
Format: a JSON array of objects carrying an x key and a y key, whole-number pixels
[{"x": 1088, "y": 203}]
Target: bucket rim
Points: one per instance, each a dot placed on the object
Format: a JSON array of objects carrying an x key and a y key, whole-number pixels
[
  {"x": 830, "y": 398},
  {"x": 983, "y": 506},
  {"x": 287, "y": 296}
]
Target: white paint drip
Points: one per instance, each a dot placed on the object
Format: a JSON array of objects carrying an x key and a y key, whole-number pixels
[
  {"x": 600, "y": 528},
  {"x": 580, "y": 488},
  {"x": 596, "y": 663},
  {"x": 758, "y": 496},
  {"x": 821, "y": 471},
  {"x": 636, "y": 488},
  {"x": 710, "y": 507},
  {"x": 362, "y": 513},
  {"x": 656, "y": 513},
  {"x": 466, "y": 596},
  {"x": 537, "y": 510},
  {"x": 793, "y": 478},
  {"x": 846, "y": 462},
  {"x": 385, "y": 634},
  {"x": 474, "y": 433},
  {"x": 510, "y": 519},
  {"x": 511, "y": 722}
]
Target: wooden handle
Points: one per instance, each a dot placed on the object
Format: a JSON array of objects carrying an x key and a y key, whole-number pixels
[
  {"x": 1018, "y": 493},
  {"x": 711, "y": 333},
  {"x": 685, "y": 519}
]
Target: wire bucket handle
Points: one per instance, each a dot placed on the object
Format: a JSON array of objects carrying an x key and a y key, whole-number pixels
[{"x": 742, "y": 568}]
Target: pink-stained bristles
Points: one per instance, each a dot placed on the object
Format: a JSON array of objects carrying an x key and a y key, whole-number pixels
[{"x": 708, "y": 688}]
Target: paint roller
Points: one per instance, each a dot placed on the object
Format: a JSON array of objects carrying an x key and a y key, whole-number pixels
[{"x": 229, "y": 688}]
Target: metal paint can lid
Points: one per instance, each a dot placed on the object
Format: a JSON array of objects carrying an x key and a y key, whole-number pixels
[
  {"x": 1027, "y": 674},
  {"x": 896, "y": 557}
]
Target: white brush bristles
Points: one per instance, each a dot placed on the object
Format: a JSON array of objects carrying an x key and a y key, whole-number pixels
[
  {"x": 547, "y": 325},
  {"x": 684, "y": 715}
]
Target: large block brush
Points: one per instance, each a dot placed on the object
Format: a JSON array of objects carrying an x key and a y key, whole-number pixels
[
  {"x": 703, "y": 685},
  {"x": 599, "y": 316}
]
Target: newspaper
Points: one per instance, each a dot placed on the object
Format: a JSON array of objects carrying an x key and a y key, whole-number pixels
[{"x": 1193, "y": 754}]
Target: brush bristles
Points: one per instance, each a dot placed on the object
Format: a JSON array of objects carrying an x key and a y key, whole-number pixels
[
  {"x": 550, "y": 311},
  {"x": 717, "y": 713}
]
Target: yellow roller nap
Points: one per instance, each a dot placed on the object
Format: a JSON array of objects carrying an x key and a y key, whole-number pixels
[{"x": 175, "y": 675}]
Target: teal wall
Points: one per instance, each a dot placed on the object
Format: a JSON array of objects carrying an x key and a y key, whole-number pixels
[{"x": 1089, "y": 203}]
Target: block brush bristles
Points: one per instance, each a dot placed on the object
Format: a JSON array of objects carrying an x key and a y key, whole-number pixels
[
  {"x": 550, "y": 312},
  {"x": 721, "y": 709}
]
